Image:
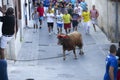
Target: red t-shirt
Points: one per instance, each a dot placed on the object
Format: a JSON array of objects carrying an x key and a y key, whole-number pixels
[{"x": 40, "y": 11}]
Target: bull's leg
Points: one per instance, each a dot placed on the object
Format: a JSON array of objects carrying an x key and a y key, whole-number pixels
[
  {"x": 80, "y": 47},
  {"x": 81, "y": 52},
  {"x": 64, "y": 56},
  {"x": 74, "y": 53}
]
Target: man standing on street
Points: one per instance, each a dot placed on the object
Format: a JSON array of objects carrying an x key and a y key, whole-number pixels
[
  {"x": 111, "y": 65},
  {"x": 94, "y": 15},
  {"x": 8, "y": 30}
]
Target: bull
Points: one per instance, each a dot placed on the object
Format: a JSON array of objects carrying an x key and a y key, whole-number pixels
[{"x": 70, "y": 42}]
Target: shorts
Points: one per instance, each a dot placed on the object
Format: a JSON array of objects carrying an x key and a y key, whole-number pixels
[
  {"x": 41, "y": 18},
  {"x": 86, "y": 24},
  {"x": 59, "y": 25},
  {"x": 36, "y": 22},
  {"x": 118, "y": 74},
  {"x": 67, "y": 25},
  {"x": 75, "y": 23},
  {"x": 4, "y": 40},
  {"x": 50, "y": 24},
  {"x": 94, "y": 21}
]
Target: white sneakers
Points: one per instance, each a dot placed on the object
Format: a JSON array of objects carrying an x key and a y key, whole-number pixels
[{"x": 49, "y": 34}]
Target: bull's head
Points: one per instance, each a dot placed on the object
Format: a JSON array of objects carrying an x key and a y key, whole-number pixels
[{"x": 62, "y": 39}]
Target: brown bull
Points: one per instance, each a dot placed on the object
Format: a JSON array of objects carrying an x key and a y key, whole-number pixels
[{"x": 70, "y": 41}]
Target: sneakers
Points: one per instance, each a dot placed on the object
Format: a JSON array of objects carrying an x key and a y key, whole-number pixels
[{"x": 49, "y": 34}]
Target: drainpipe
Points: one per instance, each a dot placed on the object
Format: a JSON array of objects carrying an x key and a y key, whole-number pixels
[{"x": 116, "y": 22}]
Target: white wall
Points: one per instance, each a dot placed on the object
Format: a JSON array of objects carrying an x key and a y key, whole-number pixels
[
  {"x": 107, "y": 16},
  {"x": 14, "y": 45}
]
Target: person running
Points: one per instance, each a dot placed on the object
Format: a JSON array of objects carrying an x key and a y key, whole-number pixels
[
  {"x": 79, "y": 1},
  {"x": 75, "y": 19},
  {"x": 67, "y": 22},
  {"x": 40, "y": 10},
  {"x": 83, "y": 5},
  {"x": 78, "y": 10},
  {"x": 111, "y": 65},
  {"x": 70, "y": 9},
  {"x": 62, "y": 6},
  {"x": 50, "y": 20},
  {"x": 46, "y": 4},
  {"x": 56, "y": 8},
  {"x": 94, "y": 15},
  {"x": 73, "y": 3},
  {"x": 86, "y": 20},
  {"x": 59, "y": 22},
  {"x": 118, "y": 54},
  {"x": 35, "y": 18}
]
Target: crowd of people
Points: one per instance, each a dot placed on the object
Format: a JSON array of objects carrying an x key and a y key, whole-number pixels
[{"x": 66, "y": 13}]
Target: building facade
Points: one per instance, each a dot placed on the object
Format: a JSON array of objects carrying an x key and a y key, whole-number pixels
[{"x": 22, "y": 22}]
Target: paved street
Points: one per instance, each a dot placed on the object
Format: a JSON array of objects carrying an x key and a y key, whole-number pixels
[{"x": 40, "y": 57}]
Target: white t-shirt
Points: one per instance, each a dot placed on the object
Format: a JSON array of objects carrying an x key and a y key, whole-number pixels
[
  {"x": 79, "y": 10},
  {"x": 59, "y": 18},
  {"x": 50, "y": 17}
]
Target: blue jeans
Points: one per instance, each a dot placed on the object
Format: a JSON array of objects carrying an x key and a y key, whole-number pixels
[{"x": 3, "y": 70}]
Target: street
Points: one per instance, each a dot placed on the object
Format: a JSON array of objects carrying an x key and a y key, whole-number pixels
[{"x": 40, "y": 58}]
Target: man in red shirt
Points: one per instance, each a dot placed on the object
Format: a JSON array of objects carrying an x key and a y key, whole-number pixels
[{"x": 40, "y": 10}]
